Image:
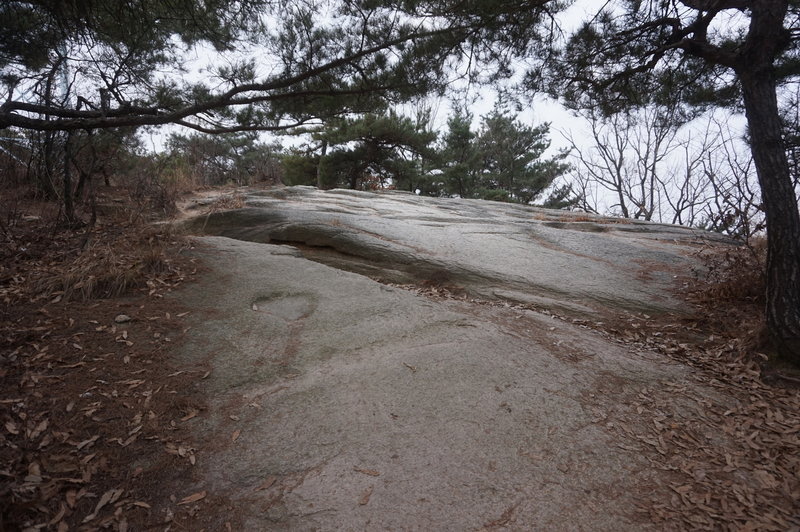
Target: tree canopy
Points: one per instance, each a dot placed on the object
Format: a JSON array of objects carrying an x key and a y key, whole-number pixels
[{"x": 116, "y": 64}]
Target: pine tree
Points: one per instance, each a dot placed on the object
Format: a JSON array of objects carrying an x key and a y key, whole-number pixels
[
  {"x": 373, "y": 151},
  {"x": 512, "y": 165},
  {"x": 459, "y": 156}
]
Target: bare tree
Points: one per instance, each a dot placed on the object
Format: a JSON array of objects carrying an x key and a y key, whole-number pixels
[
  {"x": 628, "y": 158},
  {"x": 648, "y": 165},
  {"x": 685, "y": 189},
  {"x": 734, "y": 206}
]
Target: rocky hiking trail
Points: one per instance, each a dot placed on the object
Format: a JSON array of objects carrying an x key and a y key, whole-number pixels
[
  {"x": 355, "y": 361},
  {"x": 534, "y": 376}
]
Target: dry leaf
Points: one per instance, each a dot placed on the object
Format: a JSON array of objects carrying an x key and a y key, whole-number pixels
[
  {"x": 766, "y": 479},
  {"x": 59, "y": 516},
  {"x": 365, "y": 496},
  {"x": 194, "y": 497},
  {"x": 104, "y": 499},
  {"x": 88, "y": 442},
  {"x": 370, "y": 472},
  {"x": 235, "y": 435},
  {"x": 10, "y": 401},
  {"x": 48, "y": 438},
  {"x": 71, "y": 497},
  {"x": 116, "y": 495},
  {"x": 267, "y": 483},
  {"x": 192, "y": 413}
]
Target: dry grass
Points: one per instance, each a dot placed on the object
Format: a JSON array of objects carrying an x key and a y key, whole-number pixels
[
  {"x": 734, "y": 275},
  {"x": 119, "y": 252},
  {"x": 581, "y": 218},
  {"x": 578, "y": 217},
  {"x": 110, "y": 268},
  {"x": 226, "y": 202},
  {"x": 98, "y": 262}
]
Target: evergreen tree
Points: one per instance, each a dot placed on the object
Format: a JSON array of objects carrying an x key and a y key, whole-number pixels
[
  {"x": 300, "y": 166},
  {"x": 561, "y": 197},
  {"x": 512, "y": 164},
  {"x": 90, "y": 64},
  {"x": 374, "y": 150},
  {"x": 459, "y": 156},
  {"x": 239, "y": 158}
]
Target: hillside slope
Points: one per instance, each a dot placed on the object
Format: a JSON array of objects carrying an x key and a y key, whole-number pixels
[{"x": 421, "y": 364}]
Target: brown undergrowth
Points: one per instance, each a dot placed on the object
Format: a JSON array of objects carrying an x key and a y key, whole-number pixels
[
  {"x": 730, "y": 294},
  {"x": 733, "y": 454},
  {"x": 92, "y": 408}
]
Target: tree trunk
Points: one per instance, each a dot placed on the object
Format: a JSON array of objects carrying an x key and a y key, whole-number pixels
[
  {"x": 781, "y": 210},
  {"x": 85, "y": 175},
  {"x": 48, "y": 173},
  {"x": 47, "y": 170},
  {"x": 83, "y": 178},
  {"x": 320, "y": 184},
  {"x": 69, "y": 203}
]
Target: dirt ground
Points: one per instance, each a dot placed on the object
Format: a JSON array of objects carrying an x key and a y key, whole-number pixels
[
  {"x": 97, "y": 409},
  {"x": 92, "y": 404}
]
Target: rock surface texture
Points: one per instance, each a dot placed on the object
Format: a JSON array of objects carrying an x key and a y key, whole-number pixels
[
  {"x": 493, "y": 250},
  {"x": 339, "y": 400}
]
